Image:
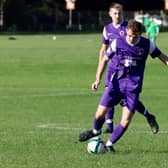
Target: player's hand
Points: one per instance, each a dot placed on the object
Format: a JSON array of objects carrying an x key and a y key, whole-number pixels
[{"x": 95, "y": 85}]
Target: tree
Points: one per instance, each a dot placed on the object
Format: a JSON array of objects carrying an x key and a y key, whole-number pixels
[{"x": 14, "y": 12}]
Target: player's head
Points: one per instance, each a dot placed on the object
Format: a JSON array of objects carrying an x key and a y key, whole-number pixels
[
  {"x": 152, "y": 19},
  {"x": 116, "y": 12},
  {"x": 134, "y": 30}
]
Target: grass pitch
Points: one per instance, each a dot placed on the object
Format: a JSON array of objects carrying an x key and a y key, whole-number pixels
[{"x": 46, "y": 101}]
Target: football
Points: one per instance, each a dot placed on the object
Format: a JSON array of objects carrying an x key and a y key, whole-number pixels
[
  {"x": 96, "y": 145},
  {"x": 54, "y": 37}
]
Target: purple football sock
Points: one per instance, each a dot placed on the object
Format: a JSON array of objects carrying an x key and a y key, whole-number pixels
[
  {"x": 109, "y": 119},
  {"x": 97, "y": 124},
  {"x": 117, "y": 133},
  {"x": 142, "y": 110}
]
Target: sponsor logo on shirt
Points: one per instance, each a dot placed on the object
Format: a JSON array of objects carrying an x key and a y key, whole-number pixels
[
  {"x": 129, "y": 63},
  {"x": 109, "y": 34}
]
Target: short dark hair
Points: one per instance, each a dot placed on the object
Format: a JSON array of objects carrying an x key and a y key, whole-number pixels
[
  {"x": 122, "y": 2},
  {"x": 135, "y": 26},
  {"x": 115, "y": 5}
]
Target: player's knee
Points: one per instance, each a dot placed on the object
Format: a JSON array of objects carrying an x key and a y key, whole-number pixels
[{"x": 101, "y": 112}]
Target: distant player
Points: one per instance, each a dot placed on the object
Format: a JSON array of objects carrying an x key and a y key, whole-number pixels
[
  {"x": 153, "y": 30},
  {"x": 115, "y": 30},
  {"x": 146, "y": 21}
]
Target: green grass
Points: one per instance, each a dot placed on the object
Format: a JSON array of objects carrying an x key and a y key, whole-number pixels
[{"x": 46, "y": 101}]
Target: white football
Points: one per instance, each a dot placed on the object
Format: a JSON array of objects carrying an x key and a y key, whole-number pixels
[{"x": 96, "y": 145}]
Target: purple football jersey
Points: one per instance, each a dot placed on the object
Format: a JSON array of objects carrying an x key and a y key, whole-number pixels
[
  {"x": 111, "y": 32},
  {"x": 129, "y": 62}
]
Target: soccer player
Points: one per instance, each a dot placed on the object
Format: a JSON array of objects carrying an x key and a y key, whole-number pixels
[
  {"x": 128, "y": 56},
  {"x": 112, "y": 31},
  {"x": 153, "y": 30},
  {"x": 146, "y": 21}
]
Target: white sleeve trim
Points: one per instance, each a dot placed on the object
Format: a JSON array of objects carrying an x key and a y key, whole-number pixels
[
  {"x": 105, "y": 33},
  {"x": 113, "y": 45},
  {"x": 152, "y": 47}
]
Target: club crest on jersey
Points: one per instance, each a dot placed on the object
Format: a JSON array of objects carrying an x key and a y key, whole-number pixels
[
  {"x": 121, "y": 33},
  {"x": 141, "y": 51}
]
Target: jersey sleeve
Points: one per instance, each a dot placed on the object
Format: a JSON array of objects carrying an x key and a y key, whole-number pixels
[
  {"x": 105, "y": 39},
  {"x": 154, "y": 51},
  {"x": 111, "y": 49}
]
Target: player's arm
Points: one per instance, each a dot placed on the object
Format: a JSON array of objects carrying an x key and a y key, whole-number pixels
[
  {"x": 103, "y": 62},
  {"x": 148, "y": 30},
  {"x": 105, "y": 44},
  {"x": 101, "y": 67},
  {"x": 157, "y": 29},
  {"x": 155, "y": 52},
  {"x": 102, "y": 51},
  {"x": 163, "y": 58}
]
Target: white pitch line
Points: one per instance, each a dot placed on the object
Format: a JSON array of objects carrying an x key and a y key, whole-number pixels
[
  {"x": 59, "y": 127},
  {"x": 48, "y": 95},
  {"x": 67, "y": 127}
]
